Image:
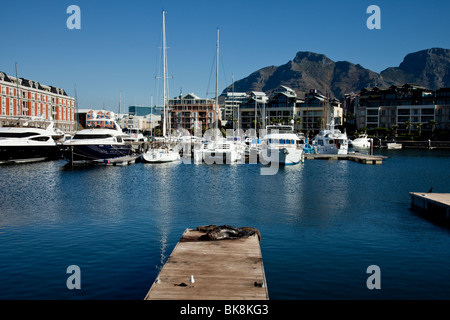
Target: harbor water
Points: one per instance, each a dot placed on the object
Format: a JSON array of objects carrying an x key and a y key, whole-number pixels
[{"x": 323, "y": 223}]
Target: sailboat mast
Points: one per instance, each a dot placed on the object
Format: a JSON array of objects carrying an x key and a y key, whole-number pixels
[
  {"x": 217, "y": 81},
  {"x": 164, "y": 71}
]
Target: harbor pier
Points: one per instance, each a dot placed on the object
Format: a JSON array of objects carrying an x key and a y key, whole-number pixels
[
  {"x": 360, "y": 158},
  {"x": 434, "y": 205},
  {"x": 230, "y": 269}
]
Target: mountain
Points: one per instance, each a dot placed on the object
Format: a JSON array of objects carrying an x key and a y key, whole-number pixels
[
  {"x": 308, "y": 70},
  {"x": 429, "y": 68}
]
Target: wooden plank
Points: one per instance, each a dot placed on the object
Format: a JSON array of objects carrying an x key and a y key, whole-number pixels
[
  {"x": 222, "y": 269},
  {"x": 435, "y": 204}
]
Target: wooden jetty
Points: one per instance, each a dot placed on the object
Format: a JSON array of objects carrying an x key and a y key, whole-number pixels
[
  {"x": 222, "y": 270},
  {"x": 124, "y": 161},
  {"x": 360, "y": 158},
  {"x": 436, "y": 205}
]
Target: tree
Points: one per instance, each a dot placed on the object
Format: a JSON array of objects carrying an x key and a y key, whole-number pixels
[
  {"x": 419, "y": 127},
  {"x": 433, "y": 124},
  {"x": 408, "y": 126}
]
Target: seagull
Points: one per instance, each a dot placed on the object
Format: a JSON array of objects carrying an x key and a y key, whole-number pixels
[{"x": 191, "y": 281}]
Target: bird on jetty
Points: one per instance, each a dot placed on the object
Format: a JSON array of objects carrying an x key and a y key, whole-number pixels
[
  {"x": 191, "y": 281},
  {"x": 431, "y": 190}
]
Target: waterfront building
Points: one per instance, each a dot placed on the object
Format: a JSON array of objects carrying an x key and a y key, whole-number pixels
[
  {"x": 232, "y": 103},
  {"x": 141, "y": 123},
  {"x": 191, "y": 112},
  {"x": 283, "y": 107},
  {"x": 314, "y": 112},
  {"x": 405, "y": 107},
  {"x": 142, "y": 111},
  {"x": 252, "y": 111},
  {"x": 23, "y": 97}
]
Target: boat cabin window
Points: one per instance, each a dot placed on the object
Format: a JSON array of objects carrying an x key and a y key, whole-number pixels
[
  {"x": 119, "y": 139},
  {"x": 40, "y": 138},
  {"x": 330, "y": 141},
  {"x": 320, "y": 142},
  {"x": 91, "y": 136},
  {"x": 17, "y": 134}
]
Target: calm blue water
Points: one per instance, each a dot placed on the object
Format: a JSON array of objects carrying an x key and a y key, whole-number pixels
[{"x": 322, "y": 223}]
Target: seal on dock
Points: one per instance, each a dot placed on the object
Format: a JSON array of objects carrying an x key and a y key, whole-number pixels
[{"x": 225, "y": 232}]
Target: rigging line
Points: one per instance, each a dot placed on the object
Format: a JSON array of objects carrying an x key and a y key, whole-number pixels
[
  {"x": 210, "y": 74},
  {"x": 223, "y": 71}
]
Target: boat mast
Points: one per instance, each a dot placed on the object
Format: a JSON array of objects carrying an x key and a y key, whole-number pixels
[
  {"x": 217, "y": 82},
  {"x": 164, "y": 73}
]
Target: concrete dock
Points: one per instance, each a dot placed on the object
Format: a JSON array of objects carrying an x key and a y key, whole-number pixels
[
  {"x": 229, "y": 269},
  {"x": 435, "y": 205},
  {"x": 360, "y": 158}
]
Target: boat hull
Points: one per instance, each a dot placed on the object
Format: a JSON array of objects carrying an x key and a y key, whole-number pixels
[
  {"x": 96, "y": 153},
  {"x": 160, "y": 156},
  {"x": 285, "y": 157},
  {"x": 30, "y": 152}
]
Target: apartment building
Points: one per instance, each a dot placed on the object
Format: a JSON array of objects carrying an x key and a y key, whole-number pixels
[{"x": 403, "y": 106}]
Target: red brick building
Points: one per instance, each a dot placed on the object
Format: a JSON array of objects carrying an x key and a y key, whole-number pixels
[{"x": 35, "y": 100}]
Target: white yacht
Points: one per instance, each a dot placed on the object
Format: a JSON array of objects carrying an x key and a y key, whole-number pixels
[
  {"x": 101, "y": 141},
  {"x": 29, "y": 139},
  {"x": 394, "y": 146},
  {"x": 219, "y": 150},
  {"x": 361, "y": 142},
  {"x": 331, "y": 141},
  {"x": 161, "y": 155},
  {"x": 282, "y": 145}
]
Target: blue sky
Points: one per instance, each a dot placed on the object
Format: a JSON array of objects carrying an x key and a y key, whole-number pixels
[{"x": 117, "y": 49}]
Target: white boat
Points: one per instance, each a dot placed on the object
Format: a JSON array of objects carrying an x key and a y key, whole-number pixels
[
  {"x": 331, "y": 141},
  {"x": 282, "y": 145},
  {"x": 362, "y": 142},
  {"x": 394, "y": 146},
  {"x": 218, "y": 149},
  {"x": 101, "y": 141},
  {"x": 29, "y": 139},
  {"x": 163, "y": 153}
]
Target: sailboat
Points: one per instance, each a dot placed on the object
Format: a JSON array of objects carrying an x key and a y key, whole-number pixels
[
  {"x": 164, "y": 153},
  {"x": 217, "y": 149}
]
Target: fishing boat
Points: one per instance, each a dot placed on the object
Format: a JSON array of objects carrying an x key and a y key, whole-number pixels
[
  {"x": 282, "y": 145},
  {"x": 101, "y": 141},
  {"x": 29, "y": 139},
  {"x": 331, "y": 141},
  {"x": 165, "y": 152}
]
